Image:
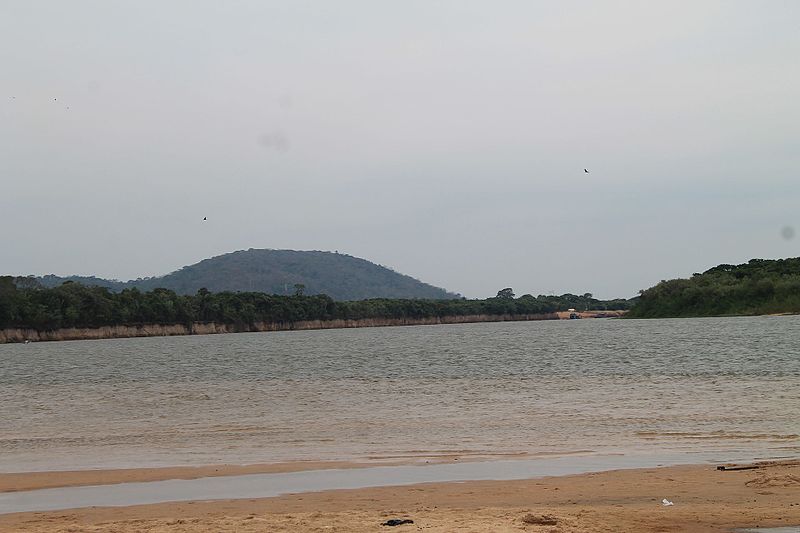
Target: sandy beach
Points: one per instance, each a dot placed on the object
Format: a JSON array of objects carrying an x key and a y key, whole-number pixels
[{"x": 705, "y": 499}]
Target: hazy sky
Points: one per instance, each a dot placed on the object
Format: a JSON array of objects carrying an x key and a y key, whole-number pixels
[{"x": 445, "y": 139}]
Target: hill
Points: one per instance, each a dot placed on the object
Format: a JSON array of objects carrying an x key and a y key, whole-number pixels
[
  {"x": 340, "y": 276},
  {"x": 760, "y": 286}
]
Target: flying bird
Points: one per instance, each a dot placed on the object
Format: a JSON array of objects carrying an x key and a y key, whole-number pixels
[
  {"x": 586, "y": 171},
  {"x": 204, "y": 218}
]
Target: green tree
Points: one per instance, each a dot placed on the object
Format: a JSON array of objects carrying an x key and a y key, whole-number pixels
[{"x": 505, "y": 294}]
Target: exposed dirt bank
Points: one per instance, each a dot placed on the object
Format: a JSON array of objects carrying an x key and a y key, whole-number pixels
[
  {"x": 565, "y": 315},
  {"x": 158, "y": 330}
]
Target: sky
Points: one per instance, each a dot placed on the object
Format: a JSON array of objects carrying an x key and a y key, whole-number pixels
[{"x": 444, "y": 139}]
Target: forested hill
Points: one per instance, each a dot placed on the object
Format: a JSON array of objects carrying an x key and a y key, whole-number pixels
[
  {"x": 340, "y": 276},
  {"x": 760, "y": 286}
]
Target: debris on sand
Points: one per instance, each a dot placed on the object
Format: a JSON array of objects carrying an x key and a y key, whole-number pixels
[
  {"x": 736, "y": 467},
  {"x": 539, "y": 520},
  {"x": 397, "y": 522}
]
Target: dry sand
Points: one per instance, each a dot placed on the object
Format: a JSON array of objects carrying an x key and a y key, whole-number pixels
[{"x": 705, "y": 499}]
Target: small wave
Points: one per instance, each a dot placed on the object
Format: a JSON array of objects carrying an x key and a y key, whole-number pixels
[
  {"x": 715, "y": 435},
  {"x": 233, "y": 428},
  {"x": 446, "y": 454}
]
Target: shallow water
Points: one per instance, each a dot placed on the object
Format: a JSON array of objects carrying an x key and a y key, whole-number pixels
[
  {"x": 269, "y": 485},
  {"x": 727, "y": 385}
]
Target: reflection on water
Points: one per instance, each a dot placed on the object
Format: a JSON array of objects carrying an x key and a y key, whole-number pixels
[{"x": 729, "y": 385}]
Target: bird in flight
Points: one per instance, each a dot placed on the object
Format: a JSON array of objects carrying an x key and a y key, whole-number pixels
[
  {"x": 204, "y": 218},
  {"x": 586, "y": 171}
]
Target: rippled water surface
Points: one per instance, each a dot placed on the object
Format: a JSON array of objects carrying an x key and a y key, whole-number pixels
[{"x": 726, "y": 385}]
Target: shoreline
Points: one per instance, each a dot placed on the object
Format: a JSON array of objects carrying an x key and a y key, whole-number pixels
[
  {"x": 22, "y": 335},
  {"x": 705, "y": 499},
  {"x": 17, "y": 481}
]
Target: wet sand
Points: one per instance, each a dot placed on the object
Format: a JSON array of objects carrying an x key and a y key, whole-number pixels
[
  {"x": 705, "y": 499},
  {"x": 10, "y": 482}
]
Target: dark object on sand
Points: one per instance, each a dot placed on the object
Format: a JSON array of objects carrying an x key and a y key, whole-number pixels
[
  {"x": 539, "y": 520},
  {"x": 397, "y": 522},
  {"x": 734, "y": 467}
]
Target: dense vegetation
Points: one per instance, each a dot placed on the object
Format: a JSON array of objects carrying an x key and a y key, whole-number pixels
[
  {"x": 340, "y": 276},
  {"x": 758, "y": 287},
  {"x": 25, "y": 303}
]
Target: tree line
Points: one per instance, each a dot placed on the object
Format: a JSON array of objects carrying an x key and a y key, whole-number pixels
[
  {"x": 760, "y": 286},
  {"x": 24, "y": 303}
]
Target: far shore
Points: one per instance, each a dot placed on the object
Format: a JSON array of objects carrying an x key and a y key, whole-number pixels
[
  {"x": 704, "y": 500},
  {"x": 21, "y": 335}
]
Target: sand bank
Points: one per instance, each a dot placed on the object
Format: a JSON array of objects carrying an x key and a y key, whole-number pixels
[
  {"x": 11, "y": 482},
  {"x": 705, "y": 499}
]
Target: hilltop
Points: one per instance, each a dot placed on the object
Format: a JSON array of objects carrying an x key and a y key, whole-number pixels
[
  {"x": 340, "y": 276},
  {"x": 760, "y": 286}
]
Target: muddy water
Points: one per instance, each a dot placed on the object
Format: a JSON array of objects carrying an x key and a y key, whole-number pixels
[{"x": 723, "y": 385}]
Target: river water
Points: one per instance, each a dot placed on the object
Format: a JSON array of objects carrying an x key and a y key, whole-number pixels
[{"x": 724, "y": 386}]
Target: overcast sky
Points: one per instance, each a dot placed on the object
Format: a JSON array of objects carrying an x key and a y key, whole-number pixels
[{"x": 444, "y": 139}]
